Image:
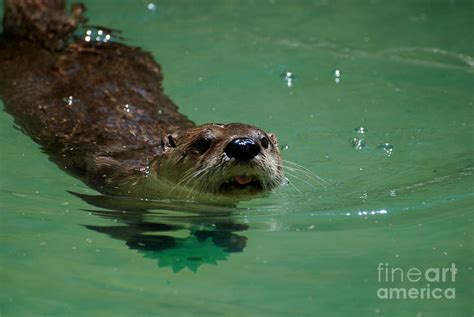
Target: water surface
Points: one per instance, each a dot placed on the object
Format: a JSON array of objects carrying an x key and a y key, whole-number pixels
[{"x": 401, "y": 193}]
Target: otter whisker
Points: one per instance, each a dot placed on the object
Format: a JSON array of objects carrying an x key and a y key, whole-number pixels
[
  {"x": 302, "y": 174},
  {"x": 304, "y": 169},
  {"x": 197, "y": 176},
  {"x": 214, "y": 174},
  {"x": 296, "y": 165},
  {"x": 301, "y": 179},
  {"x": 188, "y": 177},
  {"x": 295, "y": 187},
  {"x": 192, "y": 177},
  {"x": 186, "y": 180},
  {"x": 189, "y": 173}
]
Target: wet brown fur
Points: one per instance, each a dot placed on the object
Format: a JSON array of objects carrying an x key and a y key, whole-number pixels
[
  {"x": 214, "y": 166},
  {"x": 98, "y": 110}
]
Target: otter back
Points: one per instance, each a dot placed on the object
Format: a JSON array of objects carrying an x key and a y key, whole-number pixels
[{"x": 89, "y": 105}]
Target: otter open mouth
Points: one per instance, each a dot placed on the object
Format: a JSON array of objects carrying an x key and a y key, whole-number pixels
[{"x": 241, "y": 183}]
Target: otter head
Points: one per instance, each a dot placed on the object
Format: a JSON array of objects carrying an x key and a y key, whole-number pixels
[{"x": 234, "y": 161}]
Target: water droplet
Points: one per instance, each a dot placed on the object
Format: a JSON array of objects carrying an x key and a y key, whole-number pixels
[
  {"x": 284, "y": 147},
  {"x": 288, "y": 77},
  {"x": 387, "y": 148},
  {"x": 96, "y": 35},
  {"x": 337, "y": 76},
  {"x": 360, "y": 130},
  {"x": 358, "y": 143},
  {"x": 69, "y": 100},
  {"x": 152, "y": 7}
]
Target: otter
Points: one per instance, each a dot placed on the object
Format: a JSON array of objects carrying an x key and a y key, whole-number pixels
[{"x": 98, "y": 110}]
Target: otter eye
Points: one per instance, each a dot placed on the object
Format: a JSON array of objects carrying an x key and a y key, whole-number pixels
[
  {"x": 264, "y": 142},
  {"x": 203, "y": 144}
]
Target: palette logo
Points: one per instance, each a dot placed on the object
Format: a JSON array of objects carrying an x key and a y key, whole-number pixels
[{"x": 437, "y": 282}]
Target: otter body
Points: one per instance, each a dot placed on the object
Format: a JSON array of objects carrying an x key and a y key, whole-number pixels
[{"x": 100, "y": 113}]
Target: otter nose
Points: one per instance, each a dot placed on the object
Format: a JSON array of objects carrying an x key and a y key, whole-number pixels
[{"x": 242, "y": 149}]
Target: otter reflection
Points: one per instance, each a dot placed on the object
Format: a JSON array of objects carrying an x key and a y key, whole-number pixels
[{"x": 169, "y": 234}]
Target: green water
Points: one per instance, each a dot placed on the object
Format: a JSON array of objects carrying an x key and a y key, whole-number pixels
[{"x": 406, "y": 75}]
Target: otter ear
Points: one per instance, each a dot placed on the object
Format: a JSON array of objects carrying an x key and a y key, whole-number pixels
[
  {"x": 273, "y": 138},
  {"x": 169, "y": 141}
]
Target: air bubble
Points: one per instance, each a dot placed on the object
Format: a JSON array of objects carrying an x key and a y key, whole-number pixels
[
  {"x": 97, "y": 36},
  {"x": 358, "y": 143},
  {"x": 337, "y": 76},
  {"x": 386, "y": 148},
  {"x": 288, "y": 77},
  {"x": 360, "y": 130}
]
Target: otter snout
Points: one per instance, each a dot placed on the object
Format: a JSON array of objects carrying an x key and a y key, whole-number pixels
[{"x": 242, "y": 149}]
